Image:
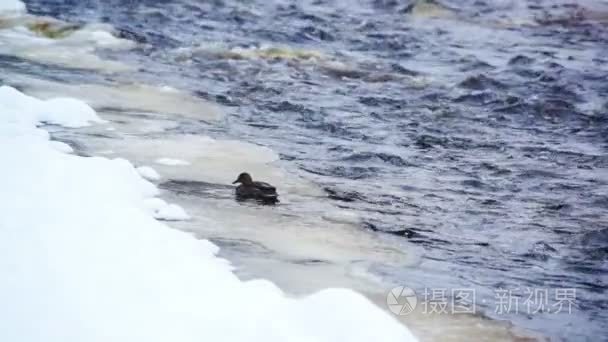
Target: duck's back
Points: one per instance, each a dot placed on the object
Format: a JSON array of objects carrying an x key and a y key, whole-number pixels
[
  {"x": 265, "y": 188},
  {"x": 259, "y": 191}
]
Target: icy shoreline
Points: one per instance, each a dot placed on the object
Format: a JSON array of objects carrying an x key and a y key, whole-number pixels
[{"x": 83, "y": 259}]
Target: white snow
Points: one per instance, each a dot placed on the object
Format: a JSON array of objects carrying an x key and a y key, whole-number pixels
[
  {"x": 61, "y": 146},
  {"x": 163, "y": 211},
  {"x": 60, "y": 111},
  {"x": 83, "y": 259},
  {"x": 172, "y": 162},
  {"x": 10, "y": 8},
  {"x": 148, "y": 173},
  {"x": 172, "y": 212}
]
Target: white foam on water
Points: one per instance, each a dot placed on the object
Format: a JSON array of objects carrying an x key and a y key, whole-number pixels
[
  {"x": 99, "y": 36},
  {"x": 82, "y": 259}
]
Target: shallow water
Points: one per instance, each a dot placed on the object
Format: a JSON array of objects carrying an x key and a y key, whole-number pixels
[{"x": 427, "y": 144}]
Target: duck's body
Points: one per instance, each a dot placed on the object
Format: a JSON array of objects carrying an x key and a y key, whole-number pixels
[{"x": 259, "y": 191}]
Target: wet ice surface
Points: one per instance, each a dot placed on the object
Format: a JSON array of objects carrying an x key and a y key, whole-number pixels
[{"x": 466, "y": 142}]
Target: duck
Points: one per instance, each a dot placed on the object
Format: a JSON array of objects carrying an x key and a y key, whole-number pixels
[{"x": 259, "y": 191}]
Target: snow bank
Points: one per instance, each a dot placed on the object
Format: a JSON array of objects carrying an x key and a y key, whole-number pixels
[
  {"x": 164, "y": 211},
  {"x": 60, "y": 111},
  {"x": 82, "y": 259},
  {"x": 148, "y": 173},
  {"x": 61, "y": 146},
  {"x": 10, "y": 8}
]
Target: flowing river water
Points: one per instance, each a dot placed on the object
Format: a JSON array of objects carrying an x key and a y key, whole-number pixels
[{"x": 441, "y": 146}]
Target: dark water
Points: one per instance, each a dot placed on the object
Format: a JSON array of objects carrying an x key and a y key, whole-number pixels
[{"x": 481, "y": 135}]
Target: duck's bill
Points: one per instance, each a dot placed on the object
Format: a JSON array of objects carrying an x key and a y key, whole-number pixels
[{"x": 236, "y": 181}]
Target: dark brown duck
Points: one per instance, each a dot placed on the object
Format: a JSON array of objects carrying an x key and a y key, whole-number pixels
[{"x": 259, "y": 191}]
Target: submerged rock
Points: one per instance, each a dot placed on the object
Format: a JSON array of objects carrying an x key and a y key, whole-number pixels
[
  {"x": 53, "y": 30},
  {"x": 428, "y": 9}
]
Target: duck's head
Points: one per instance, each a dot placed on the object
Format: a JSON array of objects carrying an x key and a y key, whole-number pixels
[{"x": 244, "y": 178}]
